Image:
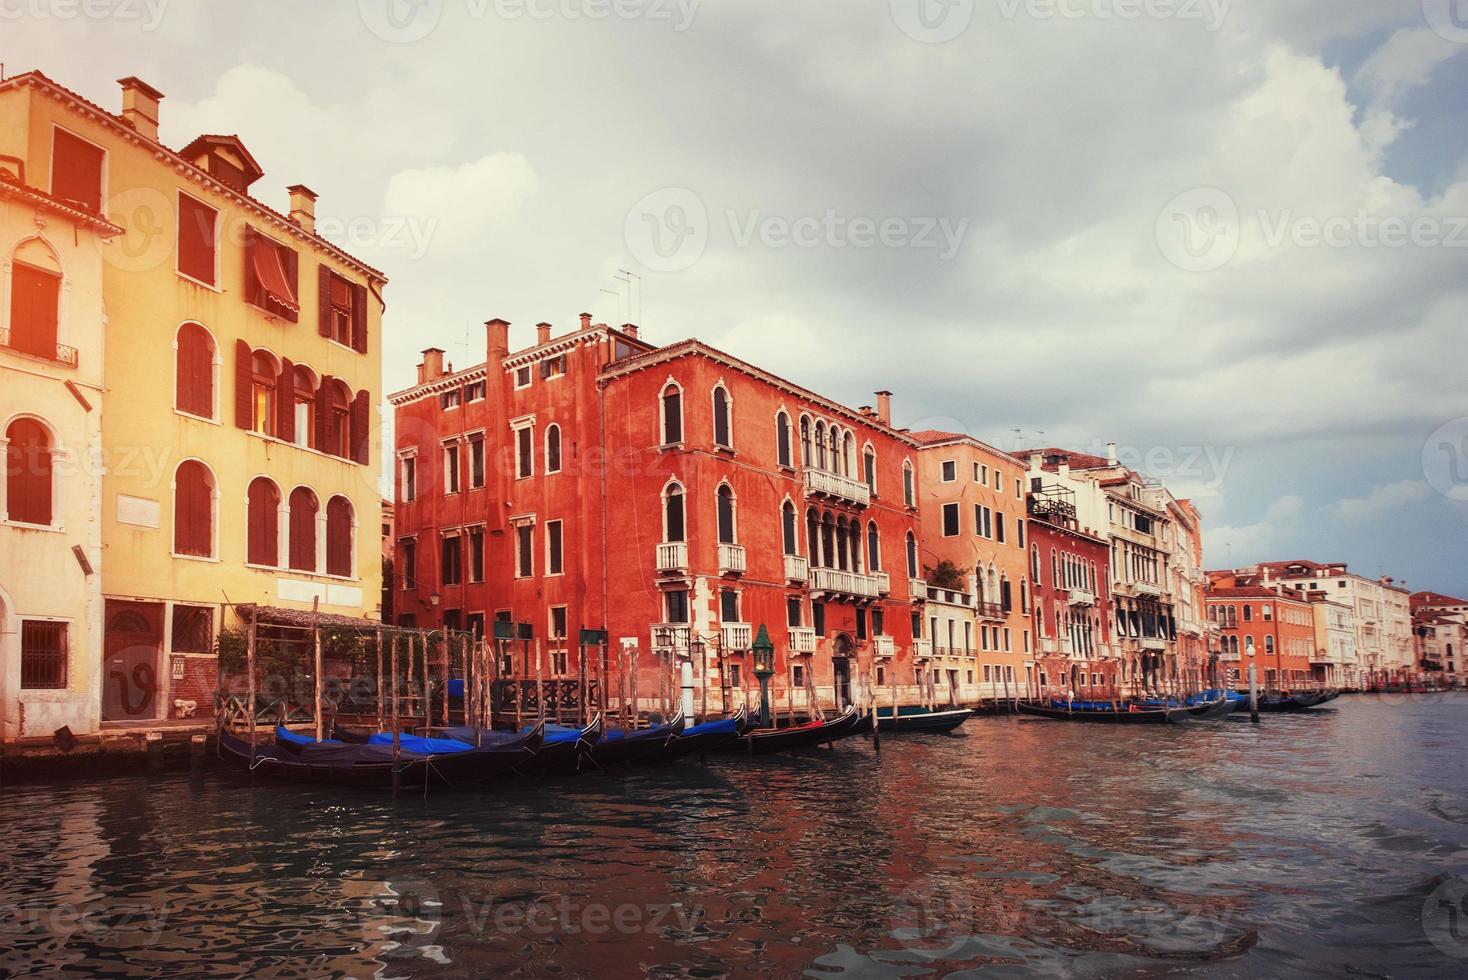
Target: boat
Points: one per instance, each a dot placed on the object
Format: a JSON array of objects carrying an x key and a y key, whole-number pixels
[
  {"x": 707, "y": 736},
  {"x": 417, "y": 762},
  {"x": 763, "y": 741},
  {"x": 925, "y": 720},
  {"x": 1303, "y": 701},
  {"x": 620, "y": 746},
  {"x": 565, "y": 749},
  {"x": 1215, "y": 710},
  {"x": 1105, "y": 712}
]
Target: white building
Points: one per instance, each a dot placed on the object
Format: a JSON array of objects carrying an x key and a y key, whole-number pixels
[{"x": 1380, "y": 608}]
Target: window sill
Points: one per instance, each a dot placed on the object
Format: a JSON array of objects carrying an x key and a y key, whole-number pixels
[
  {"x": 197, "y": 418},
  {"x": 668, "y": 447},
  {"x": 24, "y": 526},
  {"x": 725, "y": 450},
  {"x": 346, "y": 347},
  {"x": 276, "y": 440},
  {"x": 199, "y": 558},
  {"x": 212, "y": 287}
]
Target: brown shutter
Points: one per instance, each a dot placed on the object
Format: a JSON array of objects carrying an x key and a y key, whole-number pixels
[
  {"x": 291, "y": 263},
  {"x": 244, "y": 384},
  {"x": 359, "y": 317},
  {"x": 323, "y": 299},
  {"x": 323, "y": 413},
  {"x": 361, "y": 421},
  {"x": 338, "y": 537},
  {"x": 285, "y": 402},
  {"x": 254, "y": 289},
  {"x": 264, "y": 520}
]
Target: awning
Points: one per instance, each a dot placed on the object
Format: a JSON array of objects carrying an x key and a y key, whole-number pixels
[{"x": 270, "y": 273}]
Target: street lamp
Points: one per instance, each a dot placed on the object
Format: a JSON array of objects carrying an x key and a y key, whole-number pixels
[{"x": 764, "y": 669}]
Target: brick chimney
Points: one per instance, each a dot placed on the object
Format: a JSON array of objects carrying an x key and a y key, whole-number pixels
[
  {"x": 586, "y": 321},
  {"x": 630, "y": 329},
  {"x": 1111, "y": 454},
  {"x": 140, "y": 106},
  {"x": 496, "y": 341},
  {"x": 303, "y": 207},
  {"x": 884, "y": 407},
  {"x": 432, "y": 367},
  {"x": 542, "y": 333}
]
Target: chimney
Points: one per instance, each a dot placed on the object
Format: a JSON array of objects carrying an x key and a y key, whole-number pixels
[
  {"x": 303, "y": 207},
  {"x": 884, "y": 407},
  {"x": 630, "y": 329},
  {"x": 1037, "y": 462},
  {"x": 586, "y": 321},
  {"x": 432, "y": 367},
  {"x": 496, "y": 340},
  {"x": 140, "y": 106},
  {"x": 1111, "y": 454},
  {"x": 1063, "y": 468},
  {"x": 542, "y": 333}
]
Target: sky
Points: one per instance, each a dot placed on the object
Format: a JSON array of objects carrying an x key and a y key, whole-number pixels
[{"x": 1228, "y": 235}]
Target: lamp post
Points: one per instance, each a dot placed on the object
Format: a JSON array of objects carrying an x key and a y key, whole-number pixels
[
  {"x": 764, "y": 669},
  {"x": 696, "y": 652}
]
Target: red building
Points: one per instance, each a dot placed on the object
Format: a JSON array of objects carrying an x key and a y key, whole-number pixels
[
  {"x": 674, "y": 496},
  {"x": 1275, "y": 623},
  {"x": 1069, "y": 571}
]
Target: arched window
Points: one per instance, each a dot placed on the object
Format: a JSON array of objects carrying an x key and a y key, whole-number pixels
[
  {"x": 1269, "y": 645},
  {"x": 842, "y": 557},
  {"x": 193, "y": 510},
  {"x": 835, "y": 443},
  {"x": 782, "y": 439},
  {"x": 333, "y": 406},
  {"x": 874, "y": 548},
  {"x": 726, "y": 514},
  {"x": 263, "y": 523},
  {"x": 553, "y": 448},
  {"x": 29, "y": 473},
  {"x": 303, "y": 405},
  {"x": 672, "y": 399},
  {"x": 912, "y": 556},
  {"x": 820, "y": 445},
  {"x": 674, "y": 528},
  {"x": 828, "y": 538},
  {"x": 804, "y": 441},
  {"x": 339, "y": 537},
  {"x": 869, "y": 468},
  {"x": 848, "y": 455},
  {"x": 303, "y": 529},
  {"x": 722, "y": 427},
  {"x": 813, "y": 538},
  {"x": 263, "y": 373},
  {"x": 909, "y": 492},
  {"x": 194, "y": 371},
  {"x": 35, "y": 294}
]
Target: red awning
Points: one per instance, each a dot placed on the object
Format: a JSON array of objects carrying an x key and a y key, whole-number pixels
[{"x": 271, "y": 274}]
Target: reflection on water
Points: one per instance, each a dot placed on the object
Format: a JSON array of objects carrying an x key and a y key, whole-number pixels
[{"x": 1303, "y": 845}]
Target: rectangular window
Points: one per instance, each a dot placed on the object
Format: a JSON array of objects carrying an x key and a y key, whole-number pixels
[
  {"x": 797, "y": 675},
  {"x": 558, "y": 622},
  {"x": 197, "y": 241},
  {"x": 1019, "y": 533},
  {"x": 451, "y": 468},
  {"x": 476, "y": 554},
  {"x": 878, "y": 623},
  {"x": 522, "y": 378},
  {"x": 474, "y": 391},
  {"x": 728, "y": 606},
  {"x": 34, "y": 305},
  {"x": 999, "y": 526},
  {"x": 553, "y": 367},
  {"x": 984, "y": 475},
  {"x": 734, "y": 677},
  {"x": 881, "y": 676},
  {"x": 792, "y": 611},
  {"x": 818, "y": 617},
  {"x": 341, "y": 320},
  {"x": 193, "y": 629},
  {"x": 476, "y": 461},
  {"x": 553, "y": 547},
  {"x": 524, "y": 451},
  {"x": 677, "y": 604},
  {"x": 408, "y": 550},
  {"x": 43, "y": 655},
  {"x": 998, "y": 480},
  {"x": 76, "y": 170},
  {"x": 410, "y": 478},
  {"x": 950, "y": 520},
  {"x": 950, "y": 470},
  {"x": 272, "y": 280},
  {"x": 451, "y": 399},
  {"x": 988, "y": 523},
  {"x": 451, "y": 569},
  {"x": 524, "y": 551},
  {"x": 474, "y": 624},
  {"x": 861, "y": 623}
]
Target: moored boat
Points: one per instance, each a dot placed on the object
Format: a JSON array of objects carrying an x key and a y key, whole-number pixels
[
  {"x": 764, "y": 741},
  {"x": 924, "y": 720},
  {"x": 1105, "y": 713},
  {"x": 707, "y": 736}
]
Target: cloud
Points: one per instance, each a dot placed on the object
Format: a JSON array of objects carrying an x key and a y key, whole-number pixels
[
  {"x": 464, "y": 201},
  {"x": 1381, "y": 500}
]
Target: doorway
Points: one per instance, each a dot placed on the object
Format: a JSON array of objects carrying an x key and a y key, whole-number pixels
[
  {"x": 133, "y": 648},
  {"x": 953, "y": 688}
]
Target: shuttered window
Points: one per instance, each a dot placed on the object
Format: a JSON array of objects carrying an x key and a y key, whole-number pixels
[
  {"x": 303, "y": 530},
  {"x": 196, "y": 240},
  {"x": 28, "y": 472},
  {"x": 76, "y": 170},
  {"x": 263, "y": 519},
  {"x": 339, "y": 537},
  {"x": 271, "y": 280},
  {"x": 194, "y": 383},
  {"x": 33, "y": 304},
  {"x": 451, "y": 564},
  {"x": 343, "y": 310},
  {"x": 193, "y": 510}
]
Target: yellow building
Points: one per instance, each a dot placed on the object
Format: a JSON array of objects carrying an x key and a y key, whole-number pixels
[
  {"x": 51, "y": 434},
  {"x": 242, "y": 364}
]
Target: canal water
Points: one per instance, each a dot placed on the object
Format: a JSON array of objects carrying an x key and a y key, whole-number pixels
[{"x": 1326, "y": 843}]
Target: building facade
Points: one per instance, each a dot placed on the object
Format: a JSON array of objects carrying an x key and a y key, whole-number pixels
[
  {"x": 241, "y": 359},
  {"x": 1335, "y": 662},
  {"x": 1380, "y": 608},
  {"x": 1440, "y": 627},
  {"x": 1269, "y": 628},
  {"x": 1071, "y": 584}
]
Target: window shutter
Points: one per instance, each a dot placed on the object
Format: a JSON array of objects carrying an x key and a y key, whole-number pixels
[
  {"x": 359, "y": 317},
  {"x": 254, "y": 289},
  {"x": 361, "y": 420},
  {"x": 291, "y": 262},
  {"x": 323, "y": 411},
  {"x": 244, "y": 384},
  {"x": 324, "y": 300},
  {"x": 285, "y": 402}
]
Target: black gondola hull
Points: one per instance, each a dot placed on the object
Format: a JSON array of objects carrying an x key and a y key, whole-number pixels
[{"x": 1144, "y": 716}]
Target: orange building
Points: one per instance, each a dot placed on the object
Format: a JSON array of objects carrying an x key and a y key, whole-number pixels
[{"x": 1271, "y": 627}]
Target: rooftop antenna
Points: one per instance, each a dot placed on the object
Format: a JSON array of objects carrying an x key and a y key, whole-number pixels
[{"x": 634, "y": 302}]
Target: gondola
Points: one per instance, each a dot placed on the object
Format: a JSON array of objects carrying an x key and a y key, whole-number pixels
[
  {"x": 1104, "y": 713},
  {"x": 418, "y": 762},
  {"x": 1214, "y": 710},
  {"x": 621, "y": 747},
  {"x": 706, "y": 737},
  {"x": 764, "y": 741},
  {"x": 924, "y": 720},
  {"x": 1303, "y": 701},
  {"x": 565, "y": 749}
]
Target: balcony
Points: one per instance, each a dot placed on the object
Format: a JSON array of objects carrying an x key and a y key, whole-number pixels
[
  {"x": 735, "y": 637},
  {"x": 1145, "y": 588},
  {"x": 883, "y": 646},
  {"x": 990, "y": 610},
  {"x": 884, "y": 583},
  {"x": 731, "y": 559},
  {"x": 670, "y": 636},
  {"x": 797, "y": 568},
  {"x": 922, "y": 649},
  {"x": 60, "y": 353},
  {"x": 1082, "y": 597},
  {"x": 802, "y": 639},
  {"x": 918, "y": 588},
  {"x": 672, "y": 556},
  {"x": 822, "y": 484},
  {"x": 842, "y": 582},
  {"x": 1154, "y": 643}
]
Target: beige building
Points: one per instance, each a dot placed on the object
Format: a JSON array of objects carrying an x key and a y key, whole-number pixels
[
  {"x": 1334, "y": 661},
  {"x": 52, "y": 324},
  {"x": 1380, "y": 608}
]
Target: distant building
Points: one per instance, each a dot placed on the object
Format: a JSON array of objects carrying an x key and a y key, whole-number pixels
[
  {"x": 1270, "y": 627},
  {"x": 1440, "y": 629}
]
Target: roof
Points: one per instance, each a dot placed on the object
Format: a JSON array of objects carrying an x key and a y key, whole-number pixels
[
  {"x": 278, "y": 616},
  {"x": 1248, "y": 592},
  {"x": 230, "y": 140},
  {"x": 1077, "y": 461},
  {"x": 12, "y": 188},
  {"x": 121, "y": 127},
  {"x": 928, "y": 438},
  {"x": 1307, "y": 564},
  {"x": 1428, "y": 600}
]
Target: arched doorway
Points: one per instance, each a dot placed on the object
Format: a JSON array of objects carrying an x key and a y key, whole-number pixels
[
  {"x": 842, "y": 651},
  {"x": 134, "y": 644}
]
